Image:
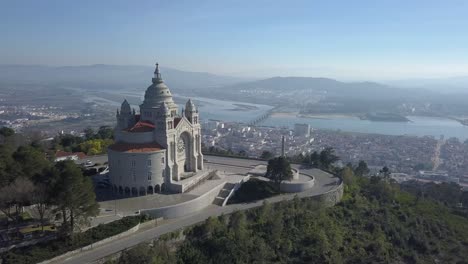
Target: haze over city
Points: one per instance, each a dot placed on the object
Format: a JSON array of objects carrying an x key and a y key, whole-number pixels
[{"x": 358, "y": 40}]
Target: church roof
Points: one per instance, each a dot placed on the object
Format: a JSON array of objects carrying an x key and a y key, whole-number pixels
[
  {"x": 141, "y": 126},
  {"x": 135, "y": 147},
  {"x": 176, "y": 121}
]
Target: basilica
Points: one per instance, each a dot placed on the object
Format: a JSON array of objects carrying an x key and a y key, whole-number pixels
[{"x": 157, "y": 147}]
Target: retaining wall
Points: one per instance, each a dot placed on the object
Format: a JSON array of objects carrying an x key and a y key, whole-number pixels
[
  {"x": 100, "y": 242},
  {"x": 187, "y": 207},
  {"x": 236, "y": 187},
  {"x": 331, "y": 197},
  {"x": 182, "y": 186},
  {"x": 294, "y": 187}
]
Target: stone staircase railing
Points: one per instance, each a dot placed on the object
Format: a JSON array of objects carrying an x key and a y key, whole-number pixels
[{"x": 224, "y": 193}]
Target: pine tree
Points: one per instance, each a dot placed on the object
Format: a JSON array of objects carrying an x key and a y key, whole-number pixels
[
  {"x": 278, "y": 170},
  {"x": 75, "y": 195}
]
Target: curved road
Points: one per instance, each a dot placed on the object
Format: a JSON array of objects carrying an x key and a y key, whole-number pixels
[{"x": 323, "y": 182}]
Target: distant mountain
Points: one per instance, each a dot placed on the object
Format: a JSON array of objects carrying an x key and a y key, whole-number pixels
[
  {"x": 443, "y": 85},
  {"x": 102, "y": 76},
  {"x": 326, "y": 86}
]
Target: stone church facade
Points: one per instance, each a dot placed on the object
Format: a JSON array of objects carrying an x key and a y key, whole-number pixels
[{"x": 158, "y": 146}]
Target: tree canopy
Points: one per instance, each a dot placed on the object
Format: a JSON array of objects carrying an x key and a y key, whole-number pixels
[
  {"x": 28, "y": 177},
  {"x": 6, "y": 132},
  {"x": 278, "y": 170},
  {"x": 75, "y": 195},
  {"x": 375, "y": 222},
  {"x": 322, "y": 160}
]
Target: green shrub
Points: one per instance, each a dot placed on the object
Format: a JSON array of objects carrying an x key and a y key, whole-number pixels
[{"x": 253, "y": 190}]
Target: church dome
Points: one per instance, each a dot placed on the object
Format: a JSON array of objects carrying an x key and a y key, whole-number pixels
[{"x": 157, "y": 92}]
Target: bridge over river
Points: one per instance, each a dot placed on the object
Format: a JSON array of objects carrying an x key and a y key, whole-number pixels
[{"x": 262, "y": 118}]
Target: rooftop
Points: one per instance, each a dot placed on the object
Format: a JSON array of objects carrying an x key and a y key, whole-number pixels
[
  {"x": 136, "y": 148},
  {"x": 60, "y": 154},
  {"x": 176, "y": 121},
  {"x": 141, "y": 126}
]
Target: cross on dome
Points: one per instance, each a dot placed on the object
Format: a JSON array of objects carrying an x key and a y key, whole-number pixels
[{"x": 157, "y": 74}]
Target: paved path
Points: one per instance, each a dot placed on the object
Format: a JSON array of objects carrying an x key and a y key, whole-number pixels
[{"x": 324, "y": 183}]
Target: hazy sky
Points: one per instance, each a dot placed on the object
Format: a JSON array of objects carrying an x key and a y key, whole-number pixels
[{"x": 348, "y": 39}]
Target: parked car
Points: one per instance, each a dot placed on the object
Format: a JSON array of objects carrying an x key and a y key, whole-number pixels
[{"x": 89, "y": 163}]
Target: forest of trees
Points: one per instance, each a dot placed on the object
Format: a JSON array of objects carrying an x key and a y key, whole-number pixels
[
  {"x": 93, "y": 142},
  {"x": 377, "y": 221},
  {"x": 28, "y": 176}
]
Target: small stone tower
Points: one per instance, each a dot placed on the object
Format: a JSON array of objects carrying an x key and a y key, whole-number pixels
[
  {"x": 191, "y": 112},
  {"x": 125, "y": 118}
]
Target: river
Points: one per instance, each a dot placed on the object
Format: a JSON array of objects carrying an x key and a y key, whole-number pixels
[
  {"x": 418, "y": 125},
  {"x": 232, "y": 111}
]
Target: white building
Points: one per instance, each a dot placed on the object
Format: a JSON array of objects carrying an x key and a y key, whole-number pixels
[
  {"x": 157, "y": 147},
  {"x": 302, "y": 130}
]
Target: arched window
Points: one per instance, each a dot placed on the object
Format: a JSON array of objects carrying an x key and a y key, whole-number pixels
[{"x": 149, "y": 175}]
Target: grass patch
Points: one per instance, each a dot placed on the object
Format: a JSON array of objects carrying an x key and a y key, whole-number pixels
[
  {"x": 25, "y": 216},
  {"x": 253, "y": 190},
  {"x": 37, "y": 228}
]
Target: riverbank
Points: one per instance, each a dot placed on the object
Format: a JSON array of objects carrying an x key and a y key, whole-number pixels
[
  {"x": 384, "y": 117},
  {"x": 311, "y": 116},
  {"x": 461, "y": 120},
  {"x": 243, "y": 107}
]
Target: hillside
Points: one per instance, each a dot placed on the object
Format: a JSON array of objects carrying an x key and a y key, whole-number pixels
[
  {"x": 444, "y": 85},
  {"x": 375, "y": 223},
  {"x": 309, "y": 94},
  {"x": 113, "y": 77},
  {"x": 323, "y": 95}
]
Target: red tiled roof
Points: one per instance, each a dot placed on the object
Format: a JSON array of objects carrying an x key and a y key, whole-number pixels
[
  {"x": 141, "y": 126},
  {"x": 176, "y": 121},
  {"x": 136, "y": 148},
  {"x": 61, "y": 154},
  {"x": 81, "y": 155}
]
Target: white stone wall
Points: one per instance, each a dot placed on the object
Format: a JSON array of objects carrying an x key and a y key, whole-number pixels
[
  {"x": 131, "y": 169},
  {"x": 295, "y": 187},
  {"x": 185, "y": 208}
]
